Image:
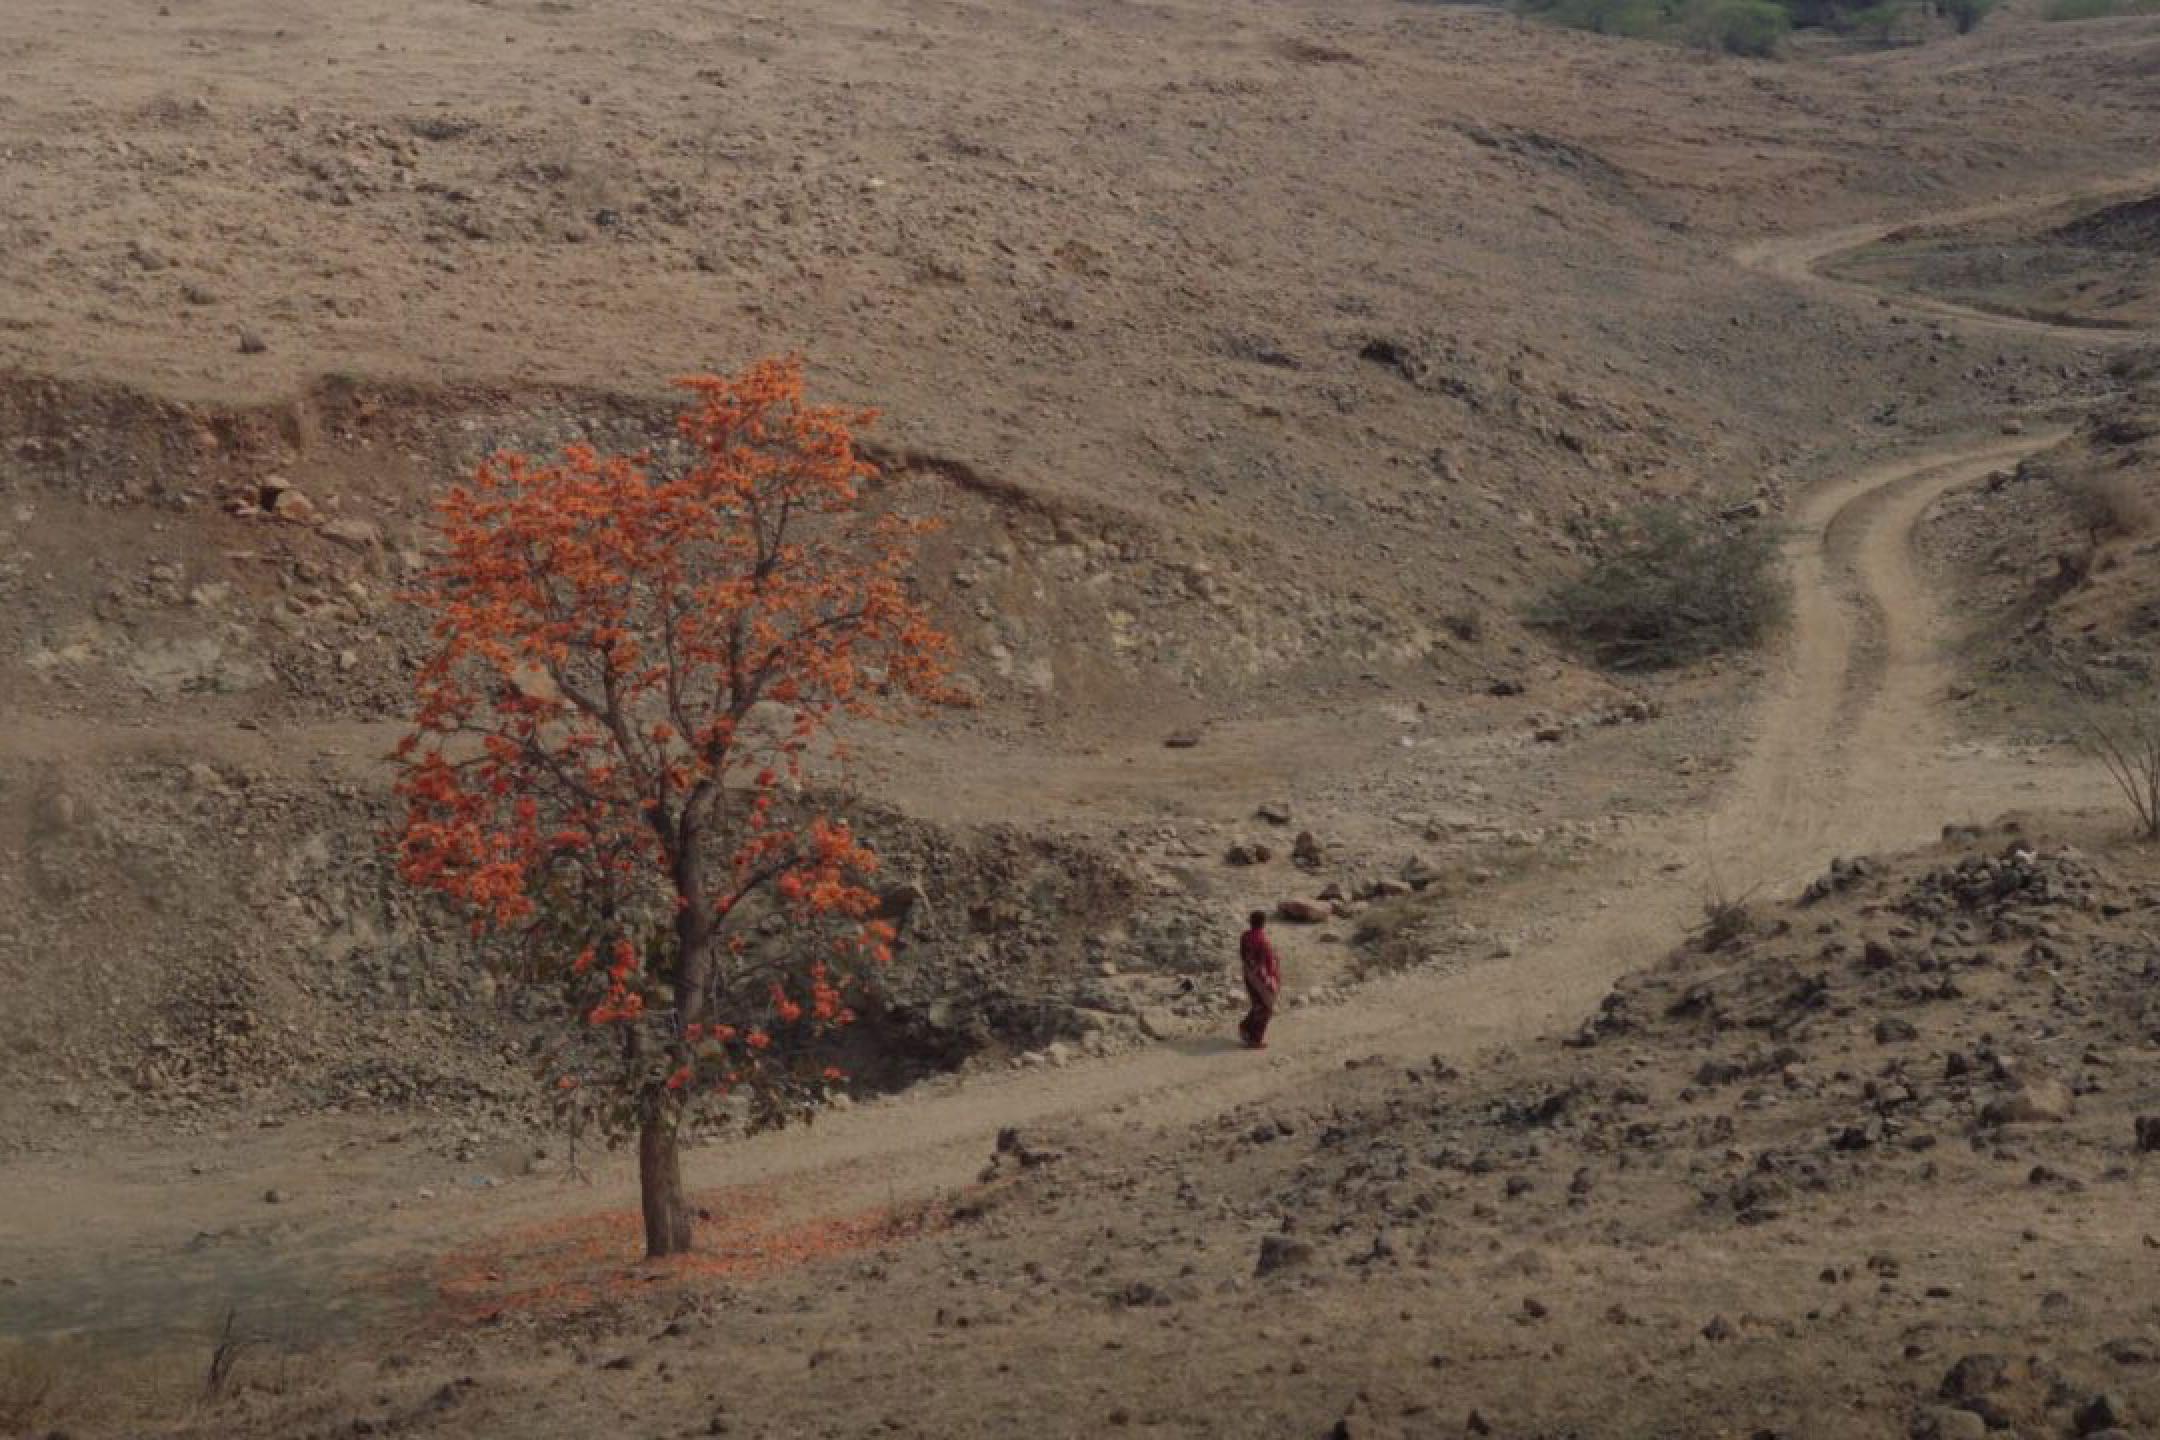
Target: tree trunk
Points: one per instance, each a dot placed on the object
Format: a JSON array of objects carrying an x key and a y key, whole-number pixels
[{"x": 660, "y": 1186}]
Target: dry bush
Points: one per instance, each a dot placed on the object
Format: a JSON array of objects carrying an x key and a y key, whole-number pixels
[
  {"x": 2112, "y": 504},
  {"x": 2127, "y": 742},
  {"x": 29, "y": 1381},
  {"x": 1395, "y": 934},
  {"x": 77, "y": 1386},
  {"x": 1669, "y": 586},
  {"x": 1724, "y": 923}
]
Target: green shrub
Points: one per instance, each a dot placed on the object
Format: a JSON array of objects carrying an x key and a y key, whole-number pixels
[
  {"x": 2098, "y": 9},
  {"x": 1637, "y": 19},
  {"x": 1669, "y": 586},
  {"x": 1879, "y": 23},
  {"x": 1738, "y": 27},
  {"x": 1759, "y": 27}
]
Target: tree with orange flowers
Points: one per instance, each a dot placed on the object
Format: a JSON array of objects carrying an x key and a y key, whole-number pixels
[{"x": 635, "y": 673}]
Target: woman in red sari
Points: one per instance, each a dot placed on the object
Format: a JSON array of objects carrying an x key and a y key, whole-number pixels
[{"x": 1263, "y": 981}]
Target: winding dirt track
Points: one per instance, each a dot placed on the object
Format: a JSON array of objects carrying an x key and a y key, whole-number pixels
[
  {"x": 1800, "y": 260},
  {"x": 1849, "y": 753}
]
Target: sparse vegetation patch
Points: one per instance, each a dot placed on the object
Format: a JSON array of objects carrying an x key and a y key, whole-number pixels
[
  {"x": 2099, "y": 9},
  {"x": 1759, "y": 27},
  {"x": 1669, "y": 586}
]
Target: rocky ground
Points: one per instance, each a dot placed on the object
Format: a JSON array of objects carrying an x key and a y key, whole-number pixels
[{"x": 1872, "y": 1161}]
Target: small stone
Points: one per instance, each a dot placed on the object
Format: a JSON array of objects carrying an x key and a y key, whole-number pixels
[
  {"x": 1157, "y": 1022},
  {"x": 295, "y": 506},
  {"x": 2148, "y": 1132},
  {"x": 1719, "y": 1329},
  {"x": 353, "y": 534},
  {"x": 2101, "y": 1412},
  {"x": 1182, "y": 739},
  {"x": 1275, "y": 812},
  {"x": 1973, "y": 1376},
  {"x": 1303, "y": 912},
  {"x": 274, "y": 1197},
  {"x": 1892, "y": 1029},
  {"x": 1280, "y": 1252},
  {"x": 2040, "y": 1100},
  {"x": 252, "y": 343},
  {"x": 1943, "y": 1423}
]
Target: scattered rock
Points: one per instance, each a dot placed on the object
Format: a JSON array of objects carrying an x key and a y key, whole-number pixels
[{"x": 1304, "y": 912}]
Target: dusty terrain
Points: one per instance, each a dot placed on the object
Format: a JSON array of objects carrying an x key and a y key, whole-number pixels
[{"x": 1262, "y": 365}]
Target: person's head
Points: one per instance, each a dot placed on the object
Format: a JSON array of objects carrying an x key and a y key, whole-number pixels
[{"x": 1258, "y": 919}]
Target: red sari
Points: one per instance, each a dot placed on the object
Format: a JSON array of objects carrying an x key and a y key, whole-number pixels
[{"x": 1263, "y": 982}]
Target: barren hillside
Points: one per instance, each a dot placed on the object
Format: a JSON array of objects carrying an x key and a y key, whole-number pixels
[{"x": 1262, "y": 365}]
